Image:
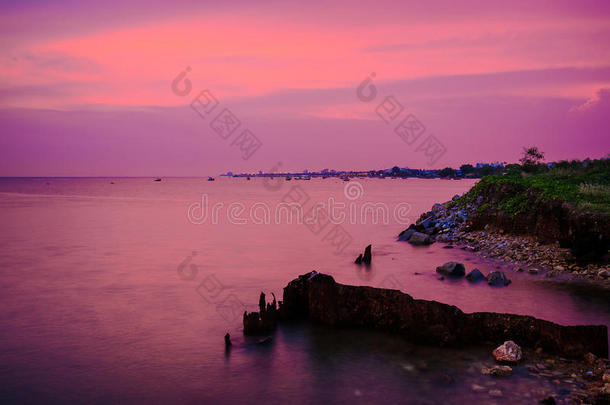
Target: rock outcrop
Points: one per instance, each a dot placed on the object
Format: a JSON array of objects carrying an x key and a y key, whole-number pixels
[
  {"x": 366, "y": 257},
  {"x": 318, "y": 298},
  {"x": 264, "y": 321}
]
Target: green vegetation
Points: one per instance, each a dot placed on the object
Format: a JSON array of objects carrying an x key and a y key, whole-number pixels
[{"x": 583, "y": 184}]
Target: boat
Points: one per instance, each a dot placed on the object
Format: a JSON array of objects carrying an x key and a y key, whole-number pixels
[
  {"x": 157, "y": 179},
  {"x": 345, "y": 178},
  {"x": 307, "y": 178},
  {"x": 288, "y": 178},
  {"x": 211, "y": 179},
  {"x": 248, "y": 178}
]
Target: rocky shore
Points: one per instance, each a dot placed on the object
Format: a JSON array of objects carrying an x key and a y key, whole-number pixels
[
  {"x": 456, "y": 222},
  {"x": 574, "y": 358}
]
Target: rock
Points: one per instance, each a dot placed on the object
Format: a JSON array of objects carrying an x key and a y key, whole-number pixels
[
  {"x": 508, "y": 352},
  {"x": 497, "y": 371},
  {"x": 453, "y": 269},
  {"x": 497, "y": 279},
  {"x": 604, "y": 273},
  {"x": 550, "y": 400},
  {"x": 441, "y": 278},
  {"x": 418, "y": 239},
  {"x": 558, "y": 268},
  {"x": 448, "y": 247},
  {"x": 532, "y": 271},
  {"x": 366, "y": 259},
  {"x": 519, "y": 269},
  {"x": 495, "y": 393},
  {"x": 318, "y": 298},
  {"x": 406, "y": 234},
  {"x": 606, "y": 377},
  {"x": 228, "y": 340},
  {"x": 477, "y": 388},
  {"x": 475, "y": 275},
  {"x": 264, "y": 321}
]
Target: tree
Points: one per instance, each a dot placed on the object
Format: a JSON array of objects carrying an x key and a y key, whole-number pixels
[
  {"x": 467, "y": 168},
  {"x": 447, "y": 172},
  {"x": 531, "y": 156}
]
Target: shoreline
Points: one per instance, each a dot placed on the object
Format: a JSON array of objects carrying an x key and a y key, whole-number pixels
[{"x": 449, "y": 223}]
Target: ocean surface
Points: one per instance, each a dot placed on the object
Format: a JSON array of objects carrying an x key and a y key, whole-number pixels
[{"x": 120, "y": 290}]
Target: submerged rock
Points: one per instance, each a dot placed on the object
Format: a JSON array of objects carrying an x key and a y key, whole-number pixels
[
  {"x": 509, "y": 352},
  {"x": 318, "y": 298},
  {"x": 366, "y": 258},
  {"x": 475, "y": 275},
  {"x": 497, "y": 279},
  {"x": 497, "y": 371},
  {"x": 418, "y": 239},
  {"x": 406, "y": 234},
  {"x": 454, "y": 269}
]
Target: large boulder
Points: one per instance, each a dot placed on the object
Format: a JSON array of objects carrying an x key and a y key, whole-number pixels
[
  {"x": 453, "y": 269},
  {"x": 508, "y": 352},
  {"x": 419, "y": 238},
  {"x": 497, "y": 279},
  {"x": 475, "y": 276}
]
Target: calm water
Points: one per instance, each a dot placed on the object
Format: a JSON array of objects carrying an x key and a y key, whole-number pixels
[{"x": 110, "y": 293}]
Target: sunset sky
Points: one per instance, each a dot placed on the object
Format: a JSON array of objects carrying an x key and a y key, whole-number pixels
[{"x": 85, "y": 87}]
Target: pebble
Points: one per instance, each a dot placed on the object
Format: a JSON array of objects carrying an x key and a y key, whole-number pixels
[
  {"x": 477, "y": 388},
  {"x": 495, "y": 393}
]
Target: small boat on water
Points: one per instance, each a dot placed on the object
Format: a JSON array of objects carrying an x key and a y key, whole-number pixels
[
  {"x": 157, "y": 179},
  {"x": 345, "y": 178},
  {"x": 247, "y": 178},
  {"x": 211, "y": 179},
  {"x": 288, "y": 178},
  {"x": 307, "y": 178}
]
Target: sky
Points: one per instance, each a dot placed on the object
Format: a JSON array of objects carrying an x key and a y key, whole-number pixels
[{"x": 115, "y": 88}]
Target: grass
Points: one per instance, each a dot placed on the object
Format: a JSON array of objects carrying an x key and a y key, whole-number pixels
[{"x": 585, "y": 186}]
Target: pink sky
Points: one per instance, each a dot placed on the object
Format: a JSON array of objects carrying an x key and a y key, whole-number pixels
[{"x": 85, "y": 88}]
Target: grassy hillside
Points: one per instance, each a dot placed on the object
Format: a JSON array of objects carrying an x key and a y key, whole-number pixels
[{"x": 584, "y": 185}]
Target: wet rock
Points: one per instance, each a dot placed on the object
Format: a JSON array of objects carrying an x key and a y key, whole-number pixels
[
  {"x": 419, "y": 239},
  {"x": 495, "y": 393},
  {"x": 264, "y": 321},
  {"x": 475, "y": 276},
  {"x": 453, "y": 269},
  {"x": 497, "y": 371},
  {"x": 318, "y": 298},
  {"x": 497, "y": 279},
  {"x": 550, "y": 400},
  {"x": 478, "y": 388},
  {"x": 606, "y": 377},
  {"x": 604, "y": 273},
  {"x": 406, "y": 234},
  {"x": 366, "y": 259},
  {"x": 508, "y": 352},
  {"x": 532, "y": 271},
  {"x": 228, "y": 340}
]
